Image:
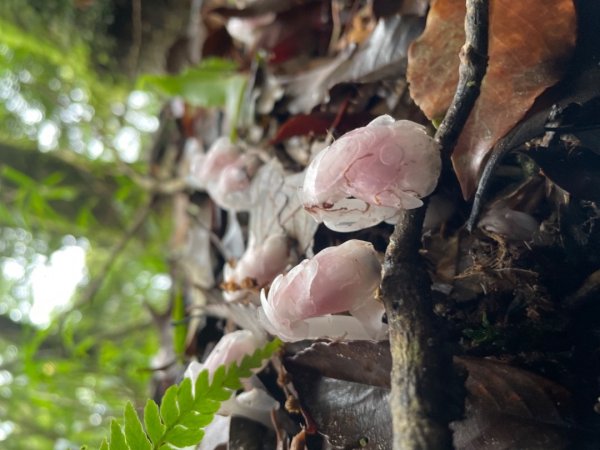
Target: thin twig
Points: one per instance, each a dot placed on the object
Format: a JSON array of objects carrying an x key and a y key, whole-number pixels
[
  {"x": 136, "y": 35},
  {"x": 421, "y": 401},
  {"x": 151, "y": 184},
  {"x": 473, "y": 64},
  {"x": 95, "y": 285}
]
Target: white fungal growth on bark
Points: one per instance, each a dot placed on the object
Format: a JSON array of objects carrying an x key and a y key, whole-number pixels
[
  {"x": 304, "y": 303},
  {"x": 369, "y": 174}
]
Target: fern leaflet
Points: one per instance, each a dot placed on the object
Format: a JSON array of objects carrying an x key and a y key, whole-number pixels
[{"x": 185, "y": 409}]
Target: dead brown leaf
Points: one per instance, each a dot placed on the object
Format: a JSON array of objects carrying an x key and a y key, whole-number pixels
[
  {"x": 530, "y": 42},
  {"x": 344, "y": 388},
  {"x": 508, "y": 407}
]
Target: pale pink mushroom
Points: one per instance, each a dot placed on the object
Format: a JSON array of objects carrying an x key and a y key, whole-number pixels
[
  {"x": 259, "y": 265},
  {"x": 302, "y": 303},
  {"x": 249, "y": 30},
  {"x": 369, "y": 174},
  {"x": 208, "y": 168},
  {"x": 226, "y": 173}
]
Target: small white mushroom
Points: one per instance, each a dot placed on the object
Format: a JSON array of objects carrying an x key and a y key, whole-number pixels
[
  {"x": 232, "y": 347},
  {"x": 507, "y": 222},
  {"x": 369, "y": 174}
]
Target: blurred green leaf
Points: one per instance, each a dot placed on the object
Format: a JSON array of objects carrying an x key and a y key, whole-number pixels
[
  {"x": 213, "y": 83},
  {"x": 18, "y": 178}
]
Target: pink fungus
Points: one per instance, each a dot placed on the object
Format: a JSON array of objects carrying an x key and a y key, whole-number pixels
[
  {"x": 371, "y": 173},
  {"x": 303, "y": 303}
]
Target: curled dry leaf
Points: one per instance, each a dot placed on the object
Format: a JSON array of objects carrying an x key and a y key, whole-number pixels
[
  {"x": 382, "y": 55},
  {"x": 530, "y": 43},
  {"x": 508, "y": 407}
]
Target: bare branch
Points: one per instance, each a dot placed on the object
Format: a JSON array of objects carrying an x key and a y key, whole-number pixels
[
  {"x": 422, "y": 394},
  {"x": 95, "y": 285},
  {"x": 473, "y": 65}
]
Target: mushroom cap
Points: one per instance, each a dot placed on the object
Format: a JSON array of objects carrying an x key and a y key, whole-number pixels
[
  {"x": 337, "y": 280},
  {"x": 370, "y": 173}
]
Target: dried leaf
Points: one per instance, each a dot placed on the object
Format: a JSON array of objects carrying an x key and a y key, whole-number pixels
[
  {"x": 349, "y": 415},
  {"x": 529, "y": 45},
  {"x": 344, "y": 389},
  {"x": 304, "y": 124},
  {"x": 249, "y": 435},
  {"x": 574, "y": 169},
  {"x": 386, "y": 8},
  {"x": 382, "y": 55},
  {"x": 319, "y": 123},
  {"x": 357, "y": 361},
  {"x": 569, "y": 153},
  {"x": 348, "y": 409},
  {"x": 508, "y": 408}
]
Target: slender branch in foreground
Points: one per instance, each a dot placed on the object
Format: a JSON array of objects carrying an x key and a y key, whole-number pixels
[{"x": 421, "y": 401}]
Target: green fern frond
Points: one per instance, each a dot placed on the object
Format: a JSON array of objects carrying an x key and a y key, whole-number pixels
[{"x": 184, "y": 411}]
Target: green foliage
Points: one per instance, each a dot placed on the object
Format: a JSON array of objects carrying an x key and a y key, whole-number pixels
[
  {"x": 213, "y": 83},
  {"x": 62, "y": 383},
  {"x": 486, "y": 334},
  {"x": 44, "y": 75},
  {"x": 185, "y": 409}
]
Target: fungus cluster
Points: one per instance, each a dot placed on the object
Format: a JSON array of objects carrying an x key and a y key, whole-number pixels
[
  {"x": 226, "y": 173},
  {"x": 365, "y": 177}
]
